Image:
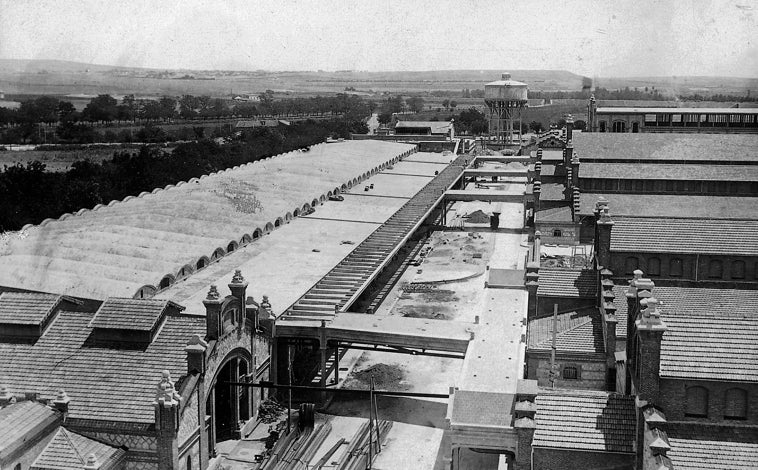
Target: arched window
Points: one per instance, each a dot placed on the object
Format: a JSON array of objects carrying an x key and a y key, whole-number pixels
[
  {"x": 675, "y": 267},
  {"x": 716, "y": 269},
  {"x": 189, "y": 463},
  {"x": 570, "y": 373},
  {"x": 557, "y": 233},
  {"x": 697, "y": 401},
  {"x": 229, "y": 320},
  {"x": 735, "y": 404},
  {"x": 632, "y": 264},
  {"x": 654, "y": 266},
  {"x": 738, "y": 269}
]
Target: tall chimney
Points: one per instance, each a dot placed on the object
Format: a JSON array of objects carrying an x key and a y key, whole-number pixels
[
  {"x": 166, "y": 404},
  {"x": 649, "y": 329},
  {"x": 603, "y": 227}
]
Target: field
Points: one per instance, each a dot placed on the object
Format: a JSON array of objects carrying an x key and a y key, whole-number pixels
[{"x": 55, "y": 160}]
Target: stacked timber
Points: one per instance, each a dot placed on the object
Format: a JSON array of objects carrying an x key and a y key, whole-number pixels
[
  {"x": 297, "y": 449},
  {"x": 363, "y": 443}
]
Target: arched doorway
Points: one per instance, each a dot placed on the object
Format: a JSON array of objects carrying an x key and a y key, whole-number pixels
[{"x": 229, "y": 406}]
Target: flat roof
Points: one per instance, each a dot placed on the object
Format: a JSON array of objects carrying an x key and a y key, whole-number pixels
[
  {"x": 660, "y": 148},
  {"x": 673, "y": 206},
  {"x": 117, "y": 249},
  {"x": 665, "y": 171},
  {"x": 289, "y": 261}
]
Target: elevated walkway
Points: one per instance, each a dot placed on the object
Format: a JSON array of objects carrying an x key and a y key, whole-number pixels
[
  {"x": 490, "y": 195},
  {"x": 388, "y": 331},
  {"x": 339, "y": 288},
  {"x": 488, "y": 172},
  {"x": 502, "y": 158}
]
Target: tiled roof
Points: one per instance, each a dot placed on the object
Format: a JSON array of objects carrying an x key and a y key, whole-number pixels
[
  {"x": 552, "y": 192},
  {"x": 103, "y": 383},
  {"x": 712, "y": 333},
  {"x": 689, "y": 172},
  {"x": 710, "y": 348},
  {"x": 69, "y": 451},
  {"x": 571, "y": 283},
  {"x": 580, "y": 331},
  {"x": 481, "y": 408},
  {"x": 712, "y": 448},
  {"x": 650, "y": 147},
  {"x": 130, "y": 314},
  {"x": 686, "y": 236},
  {"x": 19, "y": 418},
  {"x": 27, "y": 308},
  {"x": 585, "y": 420},
  {"x": 637, "y": 103},
  {"x": 554, "y": 214},
  {"x": 676, "y": 206}
]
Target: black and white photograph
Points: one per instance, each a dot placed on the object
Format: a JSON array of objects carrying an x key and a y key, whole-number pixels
[{"x": 378, "y": 235}]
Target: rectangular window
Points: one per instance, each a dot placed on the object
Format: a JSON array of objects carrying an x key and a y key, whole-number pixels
[
  {"x": 650, "y": 118},
  {"x": 676, "y": 118}
]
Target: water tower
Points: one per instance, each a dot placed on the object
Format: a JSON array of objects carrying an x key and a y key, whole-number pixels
[{"x": 505, "y": 99}]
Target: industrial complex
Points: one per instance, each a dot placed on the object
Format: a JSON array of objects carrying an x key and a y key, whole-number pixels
[{"x": 419, "y": 300}]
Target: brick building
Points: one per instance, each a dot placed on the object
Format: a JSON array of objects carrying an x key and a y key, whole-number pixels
[
  {"x": 634, "y": 119},
  {"x": 140, "y": 374}
]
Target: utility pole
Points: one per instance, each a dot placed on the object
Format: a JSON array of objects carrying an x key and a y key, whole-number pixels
[{"x": 289, "y": 392}]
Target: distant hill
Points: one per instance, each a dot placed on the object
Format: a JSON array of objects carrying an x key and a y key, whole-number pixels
[{"x": 58, "y": 77}]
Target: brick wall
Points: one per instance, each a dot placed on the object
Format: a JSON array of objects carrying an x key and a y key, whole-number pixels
[
  {"x": 620, "y": 267},
  {"x": 673, "y": 400},
  {"x": 553, "y": 459}
]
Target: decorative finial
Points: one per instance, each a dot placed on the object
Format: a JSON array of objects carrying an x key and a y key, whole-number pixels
[
  {"x": 165, "y": 389},
  {"x": 213, "y": 293},
  {"x": 238, "y": 279}
]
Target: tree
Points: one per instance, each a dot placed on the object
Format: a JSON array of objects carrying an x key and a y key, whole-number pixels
[
  {"x": 384, "y": 118},
  {"x": 453, "y": 104},
  {"x": 416, "y": 104},
  {"x": 168, "y": 107},
  {"x": 65, "y": 110},
  {"x": 101, "y": 108},
  {"x": 446, "y": 103},
  {"x": 536, "y": 126}
]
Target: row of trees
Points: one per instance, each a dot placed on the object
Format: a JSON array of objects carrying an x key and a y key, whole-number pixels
[
  {"x": 131, "y": 172},
  {"x": 107, "y": 109}
]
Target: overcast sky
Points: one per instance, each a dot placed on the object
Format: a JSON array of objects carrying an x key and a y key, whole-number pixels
[{"x": 595, "y": 38}]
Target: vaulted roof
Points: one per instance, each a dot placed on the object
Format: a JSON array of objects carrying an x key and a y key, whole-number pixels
[{"x": 120, "y": 247}]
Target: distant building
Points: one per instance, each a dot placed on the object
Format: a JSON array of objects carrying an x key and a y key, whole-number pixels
[
  {"x": 252, "y": 123},
  {"x": 671, "y": 119},
  {"x": 437, "y": 128}
]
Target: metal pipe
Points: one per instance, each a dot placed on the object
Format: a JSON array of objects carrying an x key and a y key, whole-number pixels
[{"x": 265, "y": 384}]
